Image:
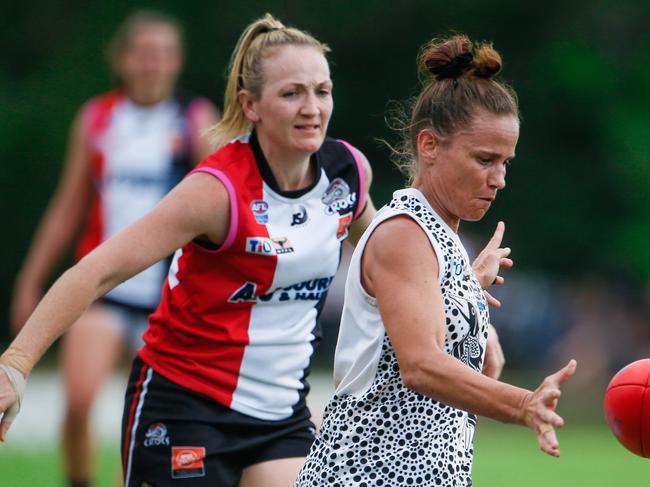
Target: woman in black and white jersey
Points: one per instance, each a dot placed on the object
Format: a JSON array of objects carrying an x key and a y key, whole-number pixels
[{"x": 415, "y": 321}]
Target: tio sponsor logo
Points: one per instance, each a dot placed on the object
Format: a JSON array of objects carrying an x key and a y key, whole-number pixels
[
  {"x": 156, "y": 435},
  {"x": 268, "y": 246},
  {"x": 259, "y": 245}
]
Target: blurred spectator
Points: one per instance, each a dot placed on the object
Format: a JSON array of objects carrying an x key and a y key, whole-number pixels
[{"x": 127, "y": 148}]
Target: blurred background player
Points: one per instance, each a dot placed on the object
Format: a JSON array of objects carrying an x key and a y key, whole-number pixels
[{"x": 127, "y": 148}]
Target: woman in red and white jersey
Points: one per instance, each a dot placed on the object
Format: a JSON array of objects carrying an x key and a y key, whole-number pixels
[
  {"x": 217, "y": 394},
  {"x": 128, "y": 147}
]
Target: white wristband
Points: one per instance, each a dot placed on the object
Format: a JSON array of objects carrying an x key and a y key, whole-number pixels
[{"x": 18, "y": 382}]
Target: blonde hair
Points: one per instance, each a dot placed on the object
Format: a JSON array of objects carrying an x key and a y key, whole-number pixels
[{"x": 246, "y": 73}]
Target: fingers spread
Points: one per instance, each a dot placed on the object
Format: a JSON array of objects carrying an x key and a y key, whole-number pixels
[
  {"x": 492, "y": 301},
  {"x": 507, "y": 263},
  {"x": 562, "y": 375},
  {"x": 4, "y": 427},
  {"x": 495, "y": 241}
]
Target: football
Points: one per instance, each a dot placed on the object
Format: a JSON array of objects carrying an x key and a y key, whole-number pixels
[{"x": 627, "y": 407}]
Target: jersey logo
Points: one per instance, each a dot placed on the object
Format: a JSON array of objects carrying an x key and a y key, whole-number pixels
[
  {"x": 187, "y": 462},
  {"x": 268, "y": 246},
  {"x": 337, "y": 197},
  {"x": 245, "y": 294},
  {"x": 156, "y": 435},
  {"x": 300, "y": 217},
  {"x": 282, "y": 245},
  {"x": 259, "y": 245},
  {"x": 344, "y": 226},
  {"x": 457, "y": 268},
  {"x": 260, "y": 209}
]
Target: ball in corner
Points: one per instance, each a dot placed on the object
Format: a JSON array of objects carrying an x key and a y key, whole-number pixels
[{"x": 627, "y": 407}]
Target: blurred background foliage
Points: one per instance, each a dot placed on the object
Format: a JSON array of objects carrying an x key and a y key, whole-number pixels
[{"x": 577, "y": 205}]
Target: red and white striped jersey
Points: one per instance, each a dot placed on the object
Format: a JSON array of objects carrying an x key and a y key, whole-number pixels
[
  {"x": 238, "y": 322},
  {"x": 137, "y": 154}
]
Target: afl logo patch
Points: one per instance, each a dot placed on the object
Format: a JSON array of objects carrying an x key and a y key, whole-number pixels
[{"x": 260, "y": 209}]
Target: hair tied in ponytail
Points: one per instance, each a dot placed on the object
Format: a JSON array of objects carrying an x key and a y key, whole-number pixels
[{"x": 454, "y": 68}]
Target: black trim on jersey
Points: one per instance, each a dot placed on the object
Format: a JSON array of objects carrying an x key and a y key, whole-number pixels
[
  {"x": 333, "y": 157},
  {"x": 338, "y": 162},
  {"x": 267, "y": 173}
]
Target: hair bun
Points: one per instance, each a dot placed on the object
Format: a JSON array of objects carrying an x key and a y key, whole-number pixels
[
  {"x": 458, "y": 57},
  {"x": 452, "y": 69}
]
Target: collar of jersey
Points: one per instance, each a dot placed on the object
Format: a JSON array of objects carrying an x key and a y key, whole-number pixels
[
  {"x": 423, "y": 200},
  {"x": 269, "y": 178}
]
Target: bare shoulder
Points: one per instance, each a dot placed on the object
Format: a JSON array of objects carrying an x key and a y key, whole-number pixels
[
  {"x": 201, "y": 204},
  {"x": 205, "y": 188},
  {"x": 398, "y": 255}
]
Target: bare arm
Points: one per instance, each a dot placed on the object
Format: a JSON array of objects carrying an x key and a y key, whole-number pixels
[
  {"x": 360, "y": 224},
  {"x": 400, "y": 269},
  {"x": 180, "y": 217},
  {"x": 57, "y": 228}
]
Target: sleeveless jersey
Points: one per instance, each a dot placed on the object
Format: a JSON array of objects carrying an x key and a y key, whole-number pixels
[
  {"x": 137, "y": 154},
  {"x": 374, "y": 428},
  {"x": 237, "y": 323}
]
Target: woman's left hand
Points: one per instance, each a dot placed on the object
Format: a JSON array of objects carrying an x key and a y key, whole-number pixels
[
  {"x": 494, "y": 358},
  {"x": 488, "y": 263}
]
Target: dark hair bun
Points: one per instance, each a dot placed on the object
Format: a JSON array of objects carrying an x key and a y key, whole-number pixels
[{"x": 458, "y": 57}]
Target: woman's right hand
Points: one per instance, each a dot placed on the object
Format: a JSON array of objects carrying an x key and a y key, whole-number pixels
[{"x": 538, "y": 409}]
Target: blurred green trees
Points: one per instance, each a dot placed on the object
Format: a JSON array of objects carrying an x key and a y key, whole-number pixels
[{"x": 578, "y": 195}]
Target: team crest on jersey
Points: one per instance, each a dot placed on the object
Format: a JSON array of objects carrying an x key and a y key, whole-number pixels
[
  {"x": 299, "y": 216},
  {"x": 187, "y": 462},
  {"x": 156, "y": 435},
  {"x": 338, "y": 197},
  {"x": 268, "y": 246},
  {"x": 260, "y": 209},
  {"x": 344, "y": 226}
]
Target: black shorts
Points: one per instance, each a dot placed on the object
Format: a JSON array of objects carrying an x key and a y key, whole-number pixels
[{"x": 172, "y": 436}]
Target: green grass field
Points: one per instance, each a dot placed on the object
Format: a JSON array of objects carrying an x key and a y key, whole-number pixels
[{"x": 506, "y": 456}]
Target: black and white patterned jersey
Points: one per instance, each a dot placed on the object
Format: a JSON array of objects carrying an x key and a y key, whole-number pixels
[{"x": 376, "y": 431}]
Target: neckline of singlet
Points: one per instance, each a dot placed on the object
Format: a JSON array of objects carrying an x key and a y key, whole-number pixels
[
  {"x": 269, "y": 178},
  {"x": 423, "y": 200}
]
